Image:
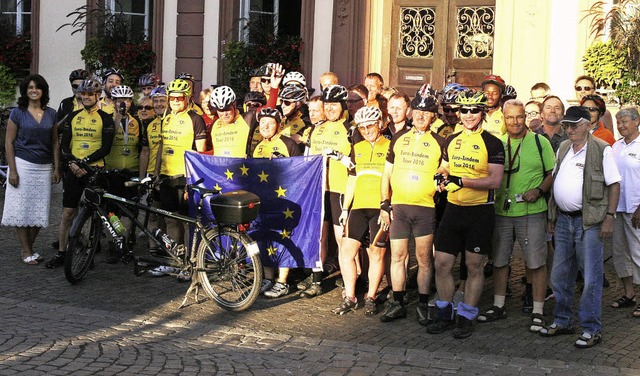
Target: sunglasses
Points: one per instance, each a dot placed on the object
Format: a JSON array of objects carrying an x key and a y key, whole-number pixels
[
  {"x": 592, "y": 109},
  {"x": 287, "y": 103},
  {"x": 470, "y": 110},
  {"x": 573, "y": 126},
  {"x": 265, "y": 80},
  {"x": 253, "y": 104},
  {"x": 450, "y": 109},
  {"x": 177, "y": 98},
  {"x": 532, "y": 113},
  {"x": 146, "y": 108},
  {"x": 585, "y": 88},
  {"x": 74, "y": 87}
]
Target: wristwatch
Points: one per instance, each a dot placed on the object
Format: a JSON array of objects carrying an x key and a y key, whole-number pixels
[{"x": 612, "y": 214}]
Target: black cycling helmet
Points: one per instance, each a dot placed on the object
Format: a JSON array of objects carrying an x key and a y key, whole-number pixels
[
  {"x": 89, "y": 86},
  {"x": 109, "y": 72},
  {"x": 185, "y": 76},
  {"x": 270, "y": 112},
  {"x": 294, "y": 93},
  {"x": 148, "y": 79},
  {"x": 263, "y": 71},
  {"x": 425, "y": 103},
  {"x": 335, "y": 93},
  {"x": 78, "y": 74},
  {"x": 254, "y": 96},
  {"x": 509, "y": 92}
]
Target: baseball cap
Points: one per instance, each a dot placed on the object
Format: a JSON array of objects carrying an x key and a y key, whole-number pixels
[{"x": 576, "y": 113}]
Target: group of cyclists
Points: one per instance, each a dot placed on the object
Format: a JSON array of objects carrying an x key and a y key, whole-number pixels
[{"x": 426, "y": 169}]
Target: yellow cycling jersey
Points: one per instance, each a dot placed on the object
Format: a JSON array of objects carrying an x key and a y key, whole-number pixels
[
  {"x": 469, "y": 155},
  {"x": 332, "y": 135},
  {"x": 279, "y": 144},
  {"x": 296, "y": 125},
  {"x": 154, "y": 136},
  {"x": 230, "y": 140},
  {"x": 369, "y": 160},
  {"x": 494, "y": 123},
  {"x": 179, "y": 133},
  {"x": 108, "y": 108},
  {"x": 125, "y": 151},
  {"x": 86, "y": 133},
  {"x": 416, "y": 157}
]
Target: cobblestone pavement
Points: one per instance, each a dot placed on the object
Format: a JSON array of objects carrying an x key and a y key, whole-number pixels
[{"x": 116, "y": 323}]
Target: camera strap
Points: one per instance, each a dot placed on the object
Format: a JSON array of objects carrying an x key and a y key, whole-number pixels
[{"x": 512, "y": 159}]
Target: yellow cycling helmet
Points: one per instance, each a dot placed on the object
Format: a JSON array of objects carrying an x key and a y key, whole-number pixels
[
  {"x": 472, "y": 98},
  {"x": 179, "y": 86}
]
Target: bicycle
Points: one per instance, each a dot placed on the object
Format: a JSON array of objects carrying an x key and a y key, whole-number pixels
[{"x": 222, "y": 258}]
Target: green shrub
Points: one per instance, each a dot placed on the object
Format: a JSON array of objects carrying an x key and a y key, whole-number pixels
[{"x": 7, "y": 87}]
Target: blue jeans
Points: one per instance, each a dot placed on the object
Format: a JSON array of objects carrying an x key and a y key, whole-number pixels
[{"x": 575, "y": 248}]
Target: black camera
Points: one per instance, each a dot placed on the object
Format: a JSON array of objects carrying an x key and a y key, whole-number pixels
[{"x": 507, "y": 204}]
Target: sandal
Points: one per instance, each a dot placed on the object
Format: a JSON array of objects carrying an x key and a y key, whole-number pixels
[
  {"x": 537, "y": 323},
  {"x": 587, "y": 340},
  {"x": 624, "y": 302},
  {"x": 636, "y": 312},
  {"x": 555, "y": 329},
  {"x": 492, "y": 314}
]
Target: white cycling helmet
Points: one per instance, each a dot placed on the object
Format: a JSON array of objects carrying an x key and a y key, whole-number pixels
[
  {"x": 222, "y": 97},
  {"x": 367, "y": 115},
  {"x": 121, "y": 91},
  {"x": 294, "y": 76}
]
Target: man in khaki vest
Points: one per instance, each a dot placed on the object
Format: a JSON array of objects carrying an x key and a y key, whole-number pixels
[{"x": 582, "y": 208}]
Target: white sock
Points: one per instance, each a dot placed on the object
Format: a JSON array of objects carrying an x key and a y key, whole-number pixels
[
  {"x": 538, "y": 307},
  {"x": 498, "y": 300}
]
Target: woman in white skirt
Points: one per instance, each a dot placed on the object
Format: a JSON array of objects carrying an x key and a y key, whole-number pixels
[{"x": 32, "y": 154}]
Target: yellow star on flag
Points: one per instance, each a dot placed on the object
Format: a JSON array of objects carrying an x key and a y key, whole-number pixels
[
  {"x": 280, "y": 191},
  {"x": 245, "y": 170},
  {"x": 285, "y": 234},
  {"x": 229, "y": 174},
  {"x": 263, "y": 176},
  {"x": 288, "y": 213},
  {"x": 272, "y": 250},
  {"x": 217, "y": 187}
]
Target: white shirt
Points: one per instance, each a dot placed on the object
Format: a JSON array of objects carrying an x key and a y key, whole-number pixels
[
  {"x": 567, "y": 187},
  {"x": 627, "y": 157}
]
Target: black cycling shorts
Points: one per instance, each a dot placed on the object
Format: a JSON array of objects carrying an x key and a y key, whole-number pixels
[
  {"x": 363, "y": 222},
  {"x": 333, "y": 207},
  {"x": 171, "y": 195},
  {"x": 72, "y": 188},
  {"x": 466, "y": 228},
  {"x": 408, "y": 219}
]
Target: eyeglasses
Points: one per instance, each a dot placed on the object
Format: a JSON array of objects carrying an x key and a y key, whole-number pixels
[
  {"x": 585, "y": 88},
  {"x": 450, "y": 109},
  {"x": 532, "y": 113},
  {"x": 513, "y": 118},
  {"x": 265, "y": 80},
  {"x": 470, "y": 110},
  {"x": 253, "y": 104},
  {"x": 146, "y": 108},
  {"x": 573, "y": 126},
  {"x": 591, "y": 109},
  {"x": 181, "y": 98},
  {"x": 288, "y": 103}
]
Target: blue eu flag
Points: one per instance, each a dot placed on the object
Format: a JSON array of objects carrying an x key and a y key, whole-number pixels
[{"x": 291, "y": 193}]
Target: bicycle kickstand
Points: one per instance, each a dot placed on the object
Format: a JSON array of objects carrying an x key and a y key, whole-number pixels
[{"x": 195, "y": 288}]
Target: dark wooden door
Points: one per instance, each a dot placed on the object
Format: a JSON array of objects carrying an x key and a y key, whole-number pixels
[{"x": 441, "y": 41}]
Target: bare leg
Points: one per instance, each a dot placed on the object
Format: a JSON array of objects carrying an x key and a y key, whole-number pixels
[
  {"x": 539, "y": 283},
  {"x": 444, "y": 275},
  {"x": 475, "y": 282},
  {"x": 424, "y": 249},
  {"x": 399, "y": 257},
  {"x": 68, "y": 214},
  {"x": 376, "y": 269},
  {"x": 348, "y": 266},
  {"x": 25, "y": 244}
]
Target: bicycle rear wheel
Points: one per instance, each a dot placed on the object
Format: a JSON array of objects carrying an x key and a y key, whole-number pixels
[
  {"x": 230, "y": 269},
  {"x": 82, "y": 245}
]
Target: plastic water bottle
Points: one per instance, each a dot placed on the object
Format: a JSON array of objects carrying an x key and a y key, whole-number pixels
[
  {"x": 169, "y": 244},
  {"x": 116, "y": 223}
]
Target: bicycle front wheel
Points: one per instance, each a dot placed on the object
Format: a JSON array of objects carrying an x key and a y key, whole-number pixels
[
  {"x": 81, "y": 247},
  {"x": 229, "y": 268}
]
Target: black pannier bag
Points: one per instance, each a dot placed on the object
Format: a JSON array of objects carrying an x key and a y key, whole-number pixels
[{"x": 235, "y": 207}]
